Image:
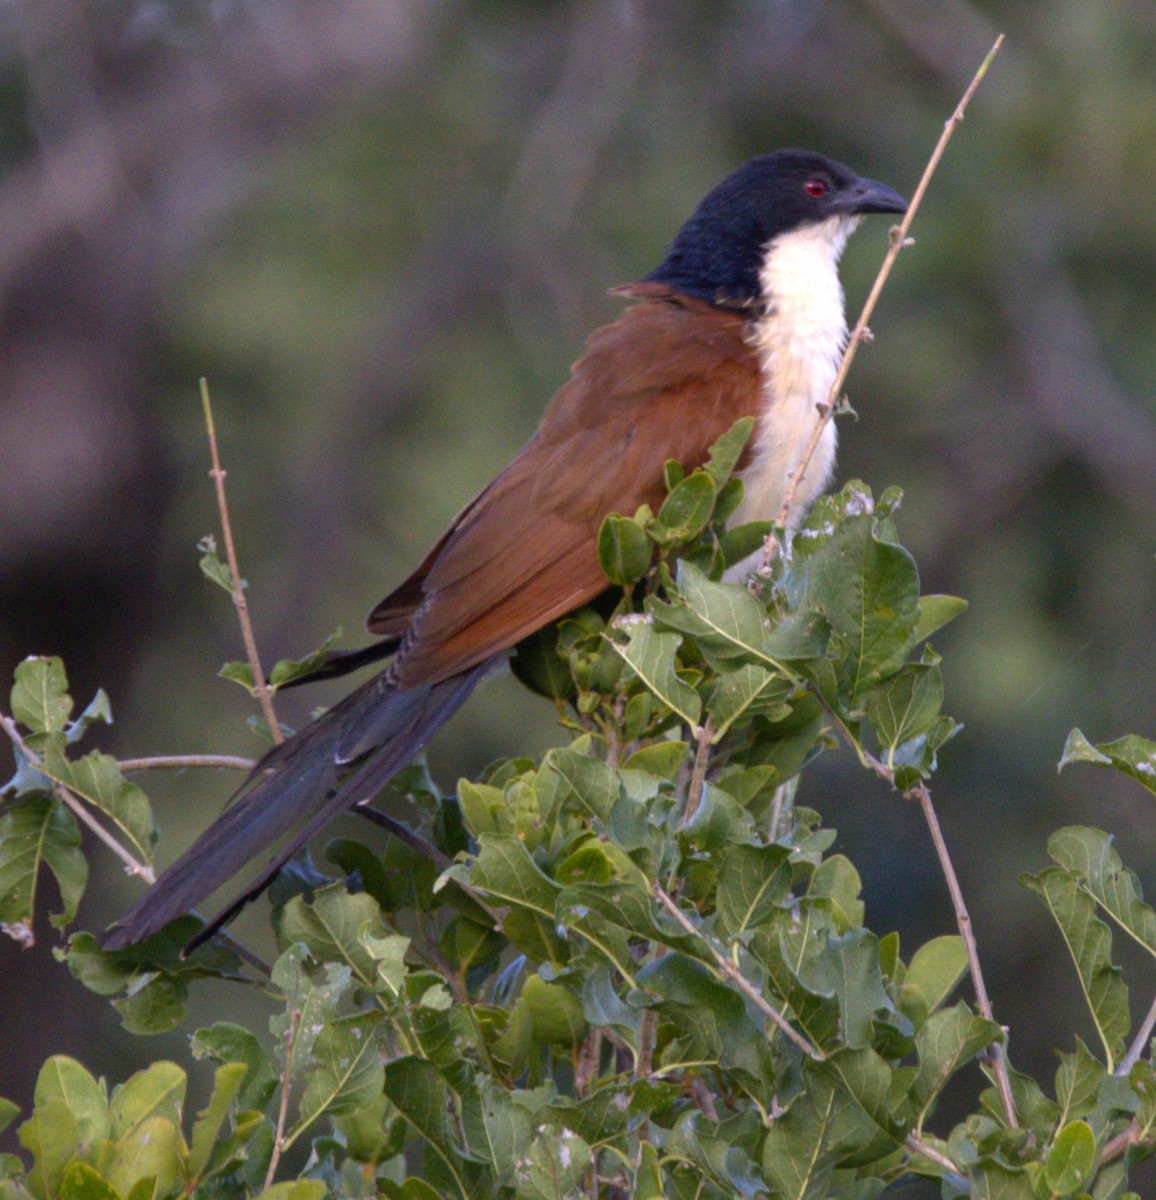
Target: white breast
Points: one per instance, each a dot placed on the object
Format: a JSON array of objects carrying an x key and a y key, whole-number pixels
[{"x": 800, "y": 340}]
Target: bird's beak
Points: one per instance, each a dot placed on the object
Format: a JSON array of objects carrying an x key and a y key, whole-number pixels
[{"x": 867, "y": 196}]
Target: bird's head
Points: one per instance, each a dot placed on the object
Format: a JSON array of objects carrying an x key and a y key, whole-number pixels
[{"x": 719, "y": 253}]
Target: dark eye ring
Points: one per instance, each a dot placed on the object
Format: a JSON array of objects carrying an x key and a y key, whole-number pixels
[{"x": 816, "y": 187}]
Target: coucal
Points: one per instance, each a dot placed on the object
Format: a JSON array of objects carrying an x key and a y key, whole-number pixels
[{"x": 744, "y": 317}]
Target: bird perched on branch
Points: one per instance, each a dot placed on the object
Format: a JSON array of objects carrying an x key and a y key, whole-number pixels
[{"x": 744, "y": 317}]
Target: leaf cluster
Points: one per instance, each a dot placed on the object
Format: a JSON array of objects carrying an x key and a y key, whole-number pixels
[{"x": 645, "y": 972}]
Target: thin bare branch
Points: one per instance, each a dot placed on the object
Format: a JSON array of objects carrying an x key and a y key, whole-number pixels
[
  {"x": 182, "y": 762},
  {"x": 283, "y": 1108},
  {"x": 728, "y": 970},
  {"x": 1139, "y": 1043},
  {"x": 917, "y": 1146},
  {"x": 861, "y": 332},
  {"x": 261, "y": 689},
  {"x": 78, "y": 807},
  {"x": 963, "y": 920},
  {"x": 703, "y": 740}
]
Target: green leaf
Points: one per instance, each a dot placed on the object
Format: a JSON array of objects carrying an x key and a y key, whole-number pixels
[
  {"x": 752, "y": 881},
  {"x": 726, "y": 452},
  {"x": 743, "y": 692},
  {"x": 157, "y": 1091},
  {"x": 1078, "y": 1082},
  {"x": 660, "y": 758},
  {"x": 946, "y": 1042},
  {"x": 286, "y": 670},
  {"x": 1071, "y": 1158},
  {"x": 556, "y": 1012},
  {"x": 837, "y": 880},
  {"x": 904, "y": 706},
  {"x": 346, "y": 1072},
  {"x": 1088, "y": 855},
  {"x": 688, "y": 508},
  {"x": 239, "y": 671},
  {"x": 496, "y": 1128},
  {"x": 869, "y": 591},
  {"x": 150, "y": 1151},
  {"x": 296, "y": 1189},
  {"x": 935, "y": 612},
  {"x": 847, "y": 967},
  {"x": 741, "y": 541},
  {"x": 1133, "y": 756},
  {"x": 553, "y": 1167},
  {"x": 421, "y": 1095},
  {"x": 38, "y": 832},
  {"x": 8, "y": 1113},
  {"x": 157, "y": 1005},
  {"x": 97, "y": 778},
  {"x": 40, "y": 699},
  {"x": 589, "y": 782},
  {"x": 1089, "y": 942},
  {"x": 82, "y": 1182},
  {"x": 227, "y": 1082},
  {"x": 332, "y": 926},
  {"x": 63, "y": 1079},
  {"x": 624, "y": 550},
  {"x": 227, "y": 1043},
  {"x": 652, "y": 657},
  {"x": 212, "y": 566},
  {"x": 936, "y": 970},
  {"x": 505, "y": 872}
]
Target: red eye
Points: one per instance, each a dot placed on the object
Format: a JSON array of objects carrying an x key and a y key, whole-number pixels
[{"x": 816, "y": 187}]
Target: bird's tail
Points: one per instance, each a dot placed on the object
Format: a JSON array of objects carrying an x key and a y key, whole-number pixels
[{"x": 295, "y": 791}]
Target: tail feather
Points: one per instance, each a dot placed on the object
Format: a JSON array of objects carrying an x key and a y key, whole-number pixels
[{"x": 295, "y": 792}]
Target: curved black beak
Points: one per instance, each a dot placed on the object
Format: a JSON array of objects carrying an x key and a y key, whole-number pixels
[{"x": 867, "y": 196}]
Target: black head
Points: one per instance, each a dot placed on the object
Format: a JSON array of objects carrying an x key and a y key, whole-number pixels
[{"x": 717, "y": 254}]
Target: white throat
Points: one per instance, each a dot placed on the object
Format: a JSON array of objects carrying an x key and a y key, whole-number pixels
[{"x": 799, "y": 339}]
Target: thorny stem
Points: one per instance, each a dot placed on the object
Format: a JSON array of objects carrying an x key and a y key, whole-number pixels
[
  {"x": 261, "y": 688},
  {"x": 729, "y": 971},
  {"x": 78, "y": 807},
  {"x": 861, "y": 333},
  {"x": 182, "y": 762}
]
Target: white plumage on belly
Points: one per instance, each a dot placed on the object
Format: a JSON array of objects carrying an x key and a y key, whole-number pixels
[{"x": 799, "y": 339}]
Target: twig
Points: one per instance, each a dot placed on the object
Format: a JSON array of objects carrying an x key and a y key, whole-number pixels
[
  {"x": 283, "y": 1108},
  {"x": 861, "y": 332},
  {"x": 917, "y": 1146},
  {"x": 181, "y": 762},
  {"x": 1139, "y": 1043},
  {"x": 261, "y": 688},
  {"x": 698, "y": 775},
  {"x": 729, "y": 971},
  {"x": 1121, "y": 1144},
  {"x": 962, "y": 916},
  {"x": 963, "y": 921},
  {"x": 243, "y": 952},
  {"x": 78, "y": 807}
]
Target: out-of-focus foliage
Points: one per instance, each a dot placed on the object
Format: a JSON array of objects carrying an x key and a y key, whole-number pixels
[{"x": 383, "y": 230}]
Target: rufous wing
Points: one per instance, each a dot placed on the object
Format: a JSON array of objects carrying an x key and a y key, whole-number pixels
[{"x": 664, "y": 381}]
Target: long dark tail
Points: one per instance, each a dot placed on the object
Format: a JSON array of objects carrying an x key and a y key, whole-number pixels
[{"x": 295, "y": 792}]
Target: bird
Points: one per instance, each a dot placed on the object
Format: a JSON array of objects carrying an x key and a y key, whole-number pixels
[{"x": 744, "y": 317}]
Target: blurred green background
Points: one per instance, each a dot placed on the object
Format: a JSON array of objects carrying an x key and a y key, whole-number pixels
[{"x": 382, "y": 229}]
